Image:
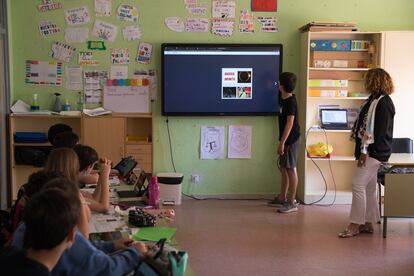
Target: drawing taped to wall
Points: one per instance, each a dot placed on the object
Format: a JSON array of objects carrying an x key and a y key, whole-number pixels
[
  {"x": 212, "y": 142},
  {"x": 240, "y": 142}
]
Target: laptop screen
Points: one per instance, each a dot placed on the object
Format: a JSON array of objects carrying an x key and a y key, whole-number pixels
[{"x": 334, "y": 117}]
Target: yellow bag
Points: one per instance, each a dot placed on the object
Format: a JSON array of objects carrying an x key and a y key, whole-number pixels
[{"x": 319, "y": 150}]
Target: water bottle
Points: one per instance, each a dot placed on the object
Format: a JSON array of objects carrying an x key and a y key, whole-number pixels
[
  {"x": 67, "y": 106},
  {"x": 80, "y": 101},
  {"x": 154, "y": 193},
  {"x": 58, "y": 104},
  {"x": 35, "y": 104}
]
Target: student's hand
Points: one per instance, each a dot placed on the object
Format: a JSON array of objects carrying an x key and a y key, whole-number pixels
[
  {"x": 281, "y": 149},
  {"x": 122, "y": 244},
  {"x": 104, "y": 167},
  {"x": 140, "y": 246},
  {"x": 362, "y": 160}
]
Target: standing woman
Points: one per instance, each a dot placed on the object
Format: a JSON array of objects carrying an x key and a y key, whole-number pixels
[{"x": 372, "y": 132}]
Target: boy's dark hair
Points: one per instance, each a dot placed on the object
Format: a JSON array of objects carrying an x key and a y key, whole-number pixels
[
  {"x": 288, "y": 81},
  {"x": 66, "y": 139},
  {"x": 55, "y": 130},
  {"x": 49, "y": 216},
  {"x": 62, "y": 184},
  {"x": 87, "y": 156},
  {"x": 37, "y": 180}
]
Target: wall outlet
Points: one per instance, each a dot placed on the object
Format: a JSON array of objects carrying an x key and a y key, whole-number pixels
[{"x": 195, "y": 178}]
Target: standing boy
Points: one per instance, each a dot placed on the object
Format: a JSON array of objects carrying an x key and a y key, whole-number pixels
[{"x": 288, "y": 147}]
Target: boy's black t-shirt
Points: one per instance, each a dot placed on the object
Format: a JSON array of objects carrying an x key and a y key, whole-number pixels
[
  {"x": 15, "y": 262},
  {"x": 289, "y": 107}
]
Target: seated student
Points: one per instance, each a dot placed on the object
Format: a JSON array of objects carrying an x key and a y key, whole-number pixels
[
  {"x": 66, "y": 139},
  {"x": 85, "y": 258},
  {"x": 50, "y": 219},
  {"x": 87, "y": 159},
  {"x": 56, "y": 129}
]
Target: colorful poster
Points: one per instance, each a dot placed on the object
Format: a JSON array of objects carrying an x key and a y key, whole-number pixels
[
  {"x": 47, "y": 28},
  {"x": 76, "y": 35},
  {"x": 120, "y": 56},
  {"x": 131, "y": 33},
  {"x": 144, "y": 53},
  {"x": 246, "y": 22},
  {"x": 105, "y": 31},
  {"x": 224, "y": 9},
  {"x": 268, "y": 24},
  {"x": 86, "y": 58},
  {"x": 240, "y": 142},
  {"x": 43, "y": 72},
  {"x": 77, "y": 16},
  {"x": 264, "y": 5},
  {"x": 197, "y": 25},
  {"x": 237, "y": 83},
  {"x": 73, "y": 78},
  {"x": 93, "y": 86},
  {"x": 175, "y": 24},
  {"x": 212, "y": 142},
  {"x": 127, "y": 13},
  {"x": 48, "y": 5},
  {"x": 103, "y": 7},
  {"x": 62, "y": 51},
  {"x": 222, "y": 27}
]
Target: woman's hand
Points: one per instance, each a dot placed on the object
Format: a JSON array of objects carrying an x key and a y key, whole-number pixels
[{"x": 362, "y": 160}]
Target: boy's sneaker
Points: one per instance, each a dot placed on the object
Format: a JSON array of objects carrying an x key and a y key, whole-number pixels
[
  {"x": 289, "y": 207},
  {"x": 276, "y": 202}
]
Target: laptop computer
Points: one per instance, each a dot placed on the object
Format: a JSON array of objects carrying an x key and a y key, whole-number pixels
[
  {"x": 334, "y": 119},
  {"x": 140, "y": 183},
  {"x": 125, "y": 166}
]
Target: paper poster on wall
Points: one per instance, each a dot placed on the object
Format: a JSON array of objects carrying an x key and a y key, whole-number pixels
[
  {"x": 237, "y": 83},
  {"x": 196, "y": 8},
  {"x": 120, "y": 56},
  {"x": 119, "y": 72},
  {"x": 76, "y": 35},
  {"x": 224, "y": 9},
  {"x": 127, "y": 99},
  {"x": 240, "y": 142},
  {"x": 103, "y": 7},
  {"x": 131, "y": 33},
  {"x": 47, "y": 28},
  {"x": 212, "y": 142},
  {"x": 104, "y": 30},
  {"x": 222, "y": 27},
  {"x": 144, "y": 53},
  {"x": 73, "y": 78},
  {"x": 62, "y": 51},
  {"x": 127, "y": 13},
  {"x": 246, "y": 25},
  {"x": 77, "y": 16},
  {"x": 174, "y": 24},
  {"x": 48, "y": 5},
  {"x": 150, "y": 75},
  {"x": 93, "y": 86},
  {"x": 197, "y": 25},
  {"x": 268, "y": 24},
  {"x": 264, "y": 5},
  {"x": 43, "y": 72},
  {"x": 86, "y": 58},
  {"x": 96, "y": 45}
]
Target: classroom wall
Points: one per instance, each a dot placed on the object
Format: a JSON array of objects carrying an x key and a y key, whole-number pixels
[{"x": 258, "y": 175}]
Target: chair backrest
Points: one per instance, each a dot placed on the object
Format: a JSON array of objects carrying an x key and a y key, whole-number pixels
[{"x": 402, "y": 145}]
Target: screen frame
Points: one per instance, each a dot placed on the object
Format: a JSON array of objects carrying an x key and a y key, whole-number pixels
[{"x": 212, "y": 46}]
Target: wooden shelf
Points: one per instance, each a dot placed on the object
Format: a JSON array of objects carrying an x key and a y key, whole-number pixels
[
  {"x": 339, "y": 69},
  {"x": 32, "y": 144},
  {"x": 138, "y": 143},
  {"x": 337, "y": 98},
  {"x": 333, "y": 158}
]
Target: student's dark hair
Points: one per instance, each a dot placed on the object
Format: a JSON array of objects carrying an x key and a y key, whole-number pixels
[
  {"x": 62, "y": 184},
  {"x": 66, "y": 139},
  {"x": 87, "y": 156},
  {"x": 55, "y": 130},
  {"x": 49, "y": 217},
  {"x": 37, "y": 180},
  {"x": 288, "y": 81}
]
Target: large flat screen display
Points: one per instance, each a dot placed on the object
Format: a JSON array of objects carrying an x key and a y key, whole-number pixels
[{"x": 220, "y": 79}]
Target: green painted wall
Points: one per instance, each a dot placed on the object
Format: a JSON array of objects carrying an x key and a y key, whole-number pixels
[{"x": 255, "y": 176}]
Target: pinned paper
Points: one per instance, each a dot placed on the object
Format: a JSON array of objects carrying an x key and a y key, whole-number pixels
[
  {"x": 96, "y": 45},
  {"x": 264, "y": 5},
  {"x": 62, "y": 51},
  {"x": 103, "y": 7},
  {"x": 105, "y": 31},
  {"x": 268, "y": 24},
  {"x": 86, "y": 58},
  {"x": 48, "y": 28},
  {"x": 127, "y": 13},
  {"x": 48, "y": 5},
  {"x": 120, "y": 56},
  {"x": 212, "y": 142},
  {"x": 77, "y": 16},
  {"x": 174, "y": 24},
  {"x": 151, "y": 76},
  {"x": 73, "y": 77},
  {"x": 224, "y": 9},
  {"x": 93, "y": 86},
  {"x": 76, "y": 35},
  {"x": 196, "y": 8},
  {"x": 144, "y": 53},
  {"x": 131, "y": 33},
  {"x": 222, "y": 27},
  {"x": 119, "y": 72},
  {"x": 246, "y": 22},
  {"x": 43, "y": 72},
  {"x": 240, "y": 142},
  {"x": 197, "y": 25}
]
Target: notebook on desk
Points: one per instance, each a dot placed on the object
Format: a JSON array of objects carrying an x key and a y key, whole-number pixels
[{"x": 334, "y": 119}]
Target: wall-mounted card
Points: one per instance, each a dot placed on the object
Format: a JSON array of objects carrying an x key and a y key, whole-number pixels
[
  {"x": 120, "y": 56},
  {"x": 48, "y": 5},
  {"x": 77, "y": 16},
  {"x": 103, "y": 7},
  {"x": 73, "y": 78},
  {"x": 86, "y": 58},
  {"x": 62, "y": 51},
  {"x": 197, "y": 25},
  {"x": 105, "y": 31},
  {"x": 197, "y": 8},
  {"x": 222, "y": 27},
  {"x": 131, "y": 33},
  {"x": 246, "y": 22},
  {"x": 264, "y": 5},
  {"x": 48, "y": 28},
  {"x": 127, "y": 13},
  {"x": 144, "y": 53},
  {"x": 96, "y": 45},
  {"x": 43, "y": 72},
  {"x": 93, "y": 86},
  {"x": 119, "y": 72},
  {"x": 268, "y": 24},
  {"x": 174, "y": 24},
  {"x": 224, "y": 9},
  {"x": 76, "y": 35}
]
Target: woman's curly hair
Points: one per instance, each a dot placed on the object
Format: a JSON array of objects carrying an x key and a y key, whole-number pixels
[{"x": 378, "y": 82}]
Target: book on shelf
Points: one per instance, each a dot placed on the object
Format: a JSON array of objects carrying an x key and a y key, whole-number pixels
[{"x": 328, "y": 26}]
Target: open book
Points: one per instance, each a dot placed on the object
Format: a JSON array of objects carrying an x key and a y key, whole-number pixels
[{"x": 96, "y": 112}]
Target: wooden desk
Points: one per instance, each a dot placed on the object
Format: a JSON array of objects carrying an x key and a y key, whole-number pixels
[{"x": 399, "y": 192}]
